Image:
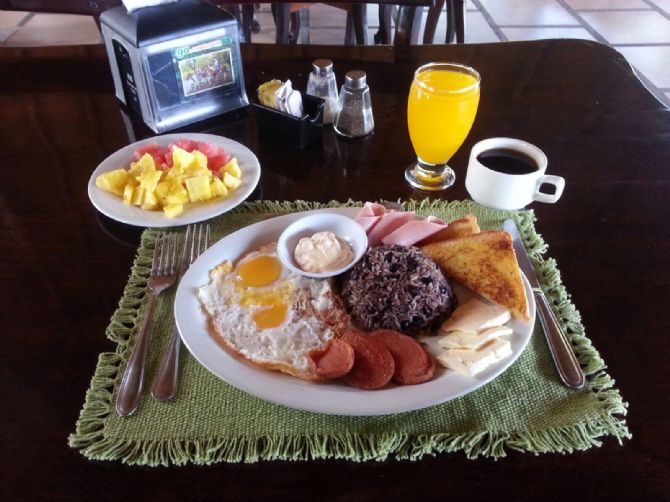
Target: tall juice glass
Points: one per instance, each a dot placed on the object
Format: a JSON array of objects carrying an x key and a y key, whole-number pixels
[{"x": 441, "y": 108}]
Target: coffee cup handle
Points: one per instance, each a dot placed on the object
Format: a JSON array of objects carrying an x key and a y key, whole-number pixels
[{"x": 557, "y": 181}]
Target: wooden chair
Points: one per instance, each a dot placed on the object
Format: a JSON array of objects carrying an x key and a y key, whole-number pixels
[
  {"x": 455, "y": 21},
  {"x": 243, "y": 12},
  {"x": 292, "y": 22}
]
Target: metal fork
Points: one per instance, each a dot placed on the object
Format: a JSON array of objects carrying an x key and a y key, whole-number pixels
[
  {"x": 163, "y": 275},
  {"x": 165, "y": 384}
]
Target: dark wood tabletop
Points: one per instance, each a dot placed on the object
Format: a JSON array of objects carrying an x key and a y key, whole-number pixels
[{"x": 65, "y": 265}]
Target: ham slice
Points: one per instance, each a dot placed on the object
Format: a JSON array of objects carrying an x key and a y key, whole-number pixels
[
  {"x": 387, "y": 224},
  {"x": 371, "y": 209},
  {"x": 413, "y": 231},
  {"x": 367, "y": 222}
]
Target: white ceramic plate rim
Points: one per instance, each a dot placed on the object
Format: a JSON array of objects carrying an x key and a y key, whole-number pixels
[
  {"x": 112, "y": 205},
  {"x": 331, "y": 398}
]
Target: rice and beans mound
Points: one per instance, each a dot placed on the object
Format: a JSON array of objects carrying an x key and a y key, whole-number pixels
[{"x": 398, "y": 288}]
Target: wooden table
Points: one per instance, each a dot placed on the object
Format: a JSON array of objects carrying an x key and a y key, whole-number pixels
[{"x": 65, "y": 266}]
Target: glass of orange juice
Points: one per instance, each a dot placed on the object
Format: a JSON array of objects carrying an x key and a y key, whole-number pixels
[{"x": 441, "y": 108}]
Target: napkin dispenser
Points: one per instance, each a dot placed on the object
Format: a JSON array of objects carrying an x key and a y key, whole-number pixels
[{"x": 175, "y": 64}]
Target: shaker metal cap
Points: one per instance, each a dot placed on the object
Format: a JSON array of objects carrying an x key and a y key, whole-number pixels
[
  {"x": 355, "y": 79},
  {"x": 322, "y": 66}
]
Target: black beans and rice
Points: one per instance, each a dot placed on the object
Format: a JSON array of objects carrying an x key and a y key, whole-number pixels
[{"x": 397, "y": 287}]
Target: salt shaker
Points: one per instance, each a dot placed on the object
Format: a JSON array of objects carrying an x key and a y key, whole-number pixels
[
  {"x": 355, "y": 116},
  {"x": 321, "y": 83}
]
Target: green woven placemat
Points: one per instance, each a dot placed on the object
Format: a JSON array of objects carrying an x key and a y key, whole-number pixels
[{"x": 525, "y": 409}]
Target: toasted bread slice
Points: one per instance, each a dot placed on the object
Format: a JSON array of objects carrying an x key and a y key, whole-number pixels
[
  {"x": 485, "y": 263},
  {"x": 457, "y": 228}
]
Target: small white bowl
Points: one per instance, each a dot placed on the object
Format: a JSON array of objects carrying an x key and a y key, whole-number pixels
[{"x": 342, "y": 226}]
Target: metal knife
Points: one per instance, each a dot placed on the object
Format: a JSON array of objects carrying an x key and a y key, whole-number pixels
[{"x": 561, "y": 352}]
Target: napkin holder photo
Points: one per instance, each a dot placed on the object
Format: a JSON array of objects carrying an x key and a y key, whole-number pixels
[
  {"x": 175, "y": 64},
  {"x": 294, "y": 132}
]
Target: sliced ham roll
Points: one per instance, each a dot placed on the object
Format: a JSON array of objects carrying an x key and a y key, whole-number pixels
[
  {"x": 371, "y": 209},
  {"x": 387, "y": 224},
  {"x": 413, "y": 231},
  {"x": 367, "y": 222}
]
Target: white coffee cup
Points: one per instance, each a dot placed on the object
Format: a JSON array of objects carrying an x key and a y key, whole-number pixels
[{"x": 502, "y": 190}]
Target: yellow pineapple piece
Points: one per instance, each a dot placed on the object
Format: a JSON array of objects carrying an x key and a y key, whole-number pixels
[
  {"x": 128, "y": 192},
  {"x": 218, "y": 188},
  {"x": 138, "y": 196},
  {"x": 173, "y": 210},
  {"x": 198, "y": 188},
  {"x": 162, "y": 190},
  {"x": 113, "y": 181},
  {"x": 233, "y": 168},
  {"x": 146, "y": 164},
  {"x": 177, "y": 195},
  {"x": 134, "y": 170},
  {"x": 199, "y": 159},
  {"x": 181, "y": 158},
  {"x": 149, "y": 180},
  {"x": 230, "y": 181},
  {"x": 150, "y": 201}
]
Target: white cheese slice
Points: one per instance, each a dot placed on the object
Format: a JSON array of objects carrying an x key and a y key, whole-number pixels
[
  {"x": 469, "y": 362},
  {"x": 466, "y": 340},
  {"x": 476, "y": 315}
]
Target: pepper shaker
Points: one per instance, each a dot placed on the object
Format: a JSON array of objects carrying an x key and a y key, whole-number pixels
[
  {"x": 321, "y": 83},
  {"x": 355, "y": 116}
]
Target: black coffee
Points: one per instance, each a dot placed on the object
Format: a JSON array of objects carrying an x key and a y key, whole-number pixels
[{"x": 508, "y": 161}]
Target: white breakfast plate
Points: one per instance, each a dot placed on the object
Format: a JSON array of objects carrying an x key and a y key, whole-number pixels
[
  {"x": 112, "y": 205},
  {"x": 334, "y": 397}
]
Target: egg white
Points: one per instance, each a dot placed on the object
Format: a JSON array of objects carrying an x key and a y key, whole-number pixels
[{"x": 231, "y": 315}]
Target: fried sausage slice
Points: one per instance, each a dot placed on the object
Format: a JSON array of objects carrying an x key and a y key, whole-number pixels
[
  {"x": 373, "y": 362},
  {"x": 413, "y": 364},
  {"x": 334, "y": 361}
]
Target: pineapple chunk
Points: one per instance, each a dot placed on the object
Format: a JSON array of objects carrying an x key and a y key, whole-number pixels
[
  {"x": 128, "y": 193},
  {"x": 113, "y": 181},
  {"x": 149, "y": 180},
  {"x": 181, "y": 158},
  {"x": 198, "y": 188},
  {"x": 146, "y": 164},
  {"x": 138, "y": 196},
  {"x": 230, "y": 181},
  {"x": 218, "y": 188},
  {"x": 161, "y": 191},
  {"x": 150, "y": 201},
  {"x": 199, "y": 159},
  {"x": 233, "y": 168},
  {"x": 173, "y": 210},
  {"x": 173, "y": 173},
  {"x": 177, "y": 195}
]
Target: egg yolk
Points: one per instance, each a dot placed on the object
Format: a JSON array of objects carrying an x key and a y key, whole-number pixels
[
  {"x": 259, "y": 271},
  {"x": 271, "y": 316}
]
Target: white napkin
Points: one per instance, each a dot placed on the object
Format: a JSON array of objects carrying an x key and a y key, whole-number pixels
[
  {"x": 289, "y": 100},
  {"x": 132, "y": 5}
]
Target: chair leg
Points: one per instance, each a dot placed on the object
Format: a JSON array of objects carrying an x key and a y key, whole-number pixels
[
  {"x": 282, "y": 16},
  {"x": 384, "y": 34},
  {"x": 247, "y": 20},
  {"x": 451, "y": 22},
  {"x": 359, "y": 14},
  {"x": 349, "y": 36},
  {"x": 431, "y": 21},
  {"x": 459, "y": 20},
  {"x": 408, "y": 25},
  {"x": 304, "y": 26},
  {"x": 294, "y": 28}
]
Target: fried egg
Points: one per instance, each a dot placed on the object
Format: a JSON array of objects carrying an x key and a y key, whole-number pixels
[{"x": 270, "y": 315}]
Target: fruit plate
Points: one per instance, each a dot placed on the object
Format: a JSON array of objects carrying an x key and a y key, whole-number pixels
[
  {"x": 333, "y": 397},
  {"x": 112, "y": 205}
]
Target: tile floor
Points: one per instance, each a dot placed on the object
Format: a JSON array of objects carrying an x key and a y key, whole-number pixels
[{"x": 639, "y": 29}]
